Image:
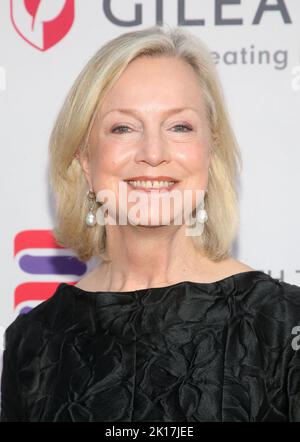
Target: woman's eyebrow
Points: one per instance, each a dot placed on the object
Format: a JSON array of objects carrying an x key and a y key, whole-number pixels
[{"x": 165, "y": 112}]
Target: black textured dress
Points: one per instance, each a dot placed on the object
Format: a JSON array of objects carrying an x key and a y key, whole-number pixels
[{"x": 188, "y": 352}]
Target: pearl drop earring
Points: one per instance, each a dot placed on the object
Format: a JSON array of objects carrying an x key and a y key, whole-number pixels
[
  {"x": 202, "y": 216},
  {"x": 197, "y": 228},
  {"x": 91, "y": 216}
]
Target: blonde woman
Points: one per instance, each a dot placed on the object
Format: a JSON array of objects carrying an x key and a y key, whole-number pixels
[{"x": 169, "y": 326}]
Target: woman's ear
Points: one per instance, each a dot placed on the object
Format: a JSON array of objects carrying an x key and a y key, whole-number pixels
[{"x": 83, "y": 158}]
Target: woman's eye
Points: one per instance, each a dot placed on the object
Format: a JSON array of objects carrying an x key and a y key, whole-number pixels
[
  {"x": 120, "y": 127},
  {"x": 183, "y": 126}
]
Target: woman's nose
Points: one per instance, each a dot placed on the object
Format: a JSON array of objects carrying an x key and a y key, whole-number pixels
[{"x": 153, "y": 148}]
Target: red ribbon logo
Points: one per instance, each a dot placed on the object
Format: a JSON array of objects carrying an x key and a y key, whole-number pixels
[{"x": 42, "y": 23}]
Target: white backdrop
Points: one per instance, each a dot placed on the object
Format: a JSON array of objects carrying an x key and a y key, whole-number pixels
[{"x": 37, "y": 67}]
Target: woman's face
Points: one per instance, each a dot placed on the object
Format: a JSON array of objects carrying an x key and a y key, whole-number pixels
[{"x": 139, "y": 131}]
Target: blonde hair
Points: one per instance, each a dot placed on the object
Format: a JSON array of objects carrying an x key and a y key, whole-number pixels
[{"x": 75, "y": 119}]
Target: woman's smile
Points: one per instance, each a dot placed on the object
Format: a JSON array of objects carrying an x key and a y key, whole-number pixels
[{"x": 152, "y": 186}]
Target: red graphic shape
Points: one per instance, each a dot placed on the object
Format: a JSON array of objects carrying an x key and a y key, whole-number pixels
[
  {"x": 52, "y": 30},
  {"x": 35, "y": 239},
  {"x": 32, "y": 6},
  {"x": 35, "y": 291}
]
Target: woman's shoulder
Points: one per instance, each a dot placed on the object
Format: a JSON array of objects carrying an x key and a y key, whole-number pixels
[
  {"x": 50, "y": 316},
  {"x": 260, "y": 291},
  {"x": 286, "y": 298},
  {"x": 267, "y": 302},
  {"x": 272, "y": 284}
]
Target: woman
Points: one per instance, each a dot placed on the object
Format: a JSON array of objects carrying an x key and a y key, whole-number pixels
[{"x": 169, "y": 326}]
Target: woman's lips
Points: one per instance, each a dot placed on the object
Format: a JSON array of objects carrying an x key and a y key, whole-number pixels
[{"x": 149, "y": 189}]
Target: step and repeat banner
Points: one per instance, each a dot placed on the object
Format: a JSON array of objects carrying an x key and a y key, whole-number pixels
[{"x": 43, "y": 46}]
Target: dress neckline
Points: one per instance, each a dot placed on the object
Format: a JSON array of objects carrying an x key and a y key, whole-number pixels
[{"x": 235, "y": 276}]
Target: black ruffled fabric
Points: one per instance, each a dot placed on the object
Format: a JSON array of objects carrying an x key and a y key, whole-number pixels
[{"x": 187, "y": 352}]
